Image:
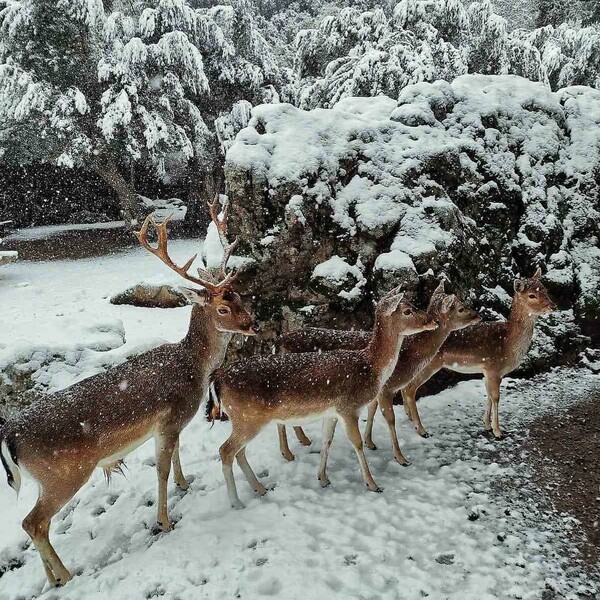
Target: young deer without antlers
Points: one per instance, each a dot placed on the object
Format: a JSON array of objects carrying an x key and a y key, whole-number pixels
[
  {"x": 415, "y": 354},
  {"x": 62, "y": 438},
  {"x": 493, "y": 349},
  {"x": 292, "y": 389}
]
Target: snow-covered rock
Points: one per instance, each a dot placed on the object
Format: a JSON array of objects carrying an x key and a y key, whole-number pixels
[{"x": 478, "y": 180}]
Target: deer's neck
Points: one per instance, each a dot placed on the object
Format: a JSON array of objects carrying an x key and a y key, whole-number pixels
[
  {"x": 520, "y": 327},
  {"x": 207, "y": 344},
  {"x": 383, "y": 349}
]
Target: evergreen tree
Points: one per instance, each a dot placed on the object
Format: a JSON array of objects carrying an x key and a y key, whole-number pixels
[{"x": 139, "y": 86}]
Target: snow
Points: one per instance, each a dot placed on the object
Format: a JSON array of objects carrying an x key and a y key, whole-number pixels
[
  {"x": 299, "y": 541},
  {"x": 47, "y": 231}
]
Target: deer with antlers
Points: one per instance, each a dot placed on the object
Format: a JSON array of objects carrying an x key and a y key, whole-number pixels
[
  {"x": 492, "y": 349},
  {"x": 416, "y": 353},
  {"x": 62, "y": 438},
  {"x": 291, "y": 389}
]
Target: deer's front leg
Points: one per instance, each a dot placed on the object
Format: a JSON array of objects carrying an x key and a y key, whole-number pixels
[
  {"x": 492, "y": 385},
  {"x": 180, "y": 480},
  {"x": 284, "y": 447},
  {"x": 409, "y": 397},
  {"x": 353, "y": 433},
  {"x": 386, "y": 403},
  {"x": 165, "y": 447},
  {"x": 255, "y": 484},
  {"x": 372, "y": 409},
  {"x": 328, "y": 432},
  {"x": 302, "y": 437}
]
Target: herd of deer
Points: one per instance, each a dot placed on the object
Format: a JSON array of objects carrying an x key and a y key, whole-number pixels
[{"x": 317, "y": 374}]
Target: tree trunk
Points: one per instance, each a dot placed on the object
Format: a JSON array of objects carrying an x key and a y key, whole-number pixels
[
  {"x": 202, "y": 186},
  {"x": 108, "y": 170}
]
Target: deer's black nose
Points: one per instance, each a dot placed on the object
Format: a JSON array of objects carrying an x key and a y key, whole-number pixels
[{"x": 255, "y": 327}]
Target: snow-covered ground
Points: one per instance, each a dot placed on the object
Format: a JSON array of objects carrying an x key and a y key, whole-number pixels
[{"x": 300, "y": 541}]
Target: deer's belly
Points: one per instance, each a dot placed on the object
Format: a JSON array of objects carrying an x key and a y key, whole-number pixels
[
  {"x": 124, "y": 448},
  {"x": 303, "y": 419},
  {"x": 465, "y": 368}
]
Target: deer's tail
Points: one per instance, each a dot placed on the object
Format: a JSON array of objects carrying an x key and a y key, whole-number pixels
[
  {"x": 214, "y": 410},
  {"x": 8, "y": 455}
]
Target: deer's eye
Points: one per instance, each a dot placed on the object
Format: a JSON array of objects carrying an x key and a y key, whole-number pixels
[
  {"x": 223, "y": 310},
  {"x": 461, "y": 310},
  {"x": 407, "y": 312},
  {"x": 532, "y": 296}
]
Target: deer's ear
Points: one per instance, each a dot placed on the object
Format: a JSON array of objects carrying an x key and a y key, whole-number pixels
[
  {"x": 538, "y": 273},
  {"x": 439, "y": 289},
  {"x": 519, "y": 285},
  {"x": 392, "y": 293},
  {"x": 448, "y": 302},
  {"x": 391, "y": 304},
  {"x": 201, "y": 296}
]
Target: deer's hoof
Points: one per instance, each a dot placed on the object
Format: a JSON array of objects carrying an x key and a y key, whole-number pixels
[
  {"x": 60, "y": 581},
  {"x": 261, "y": 490},
  {"x": 305, "y": 441},
  {"x": 165, "y": 527},
  {"x": 423, "y": 433},
  {"x": 237, "y": 505},
  {"x": 374, "y": 488},
  {"x": 324, "y": 481},
  {"x": 403, "y": 462},
  {"x": 371, "y": 445},
  {"x": 184, "y": 485},
  {"x": 288, "y": 456}
]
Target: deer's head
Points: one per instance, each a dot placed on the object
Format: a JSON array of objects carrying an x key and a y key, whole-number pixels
[
  {"x": 533, "y": 295},
  {"x": 216, "y": 294},
  {"x": 402, "y": 317},
  {"x": 450, "y": 312},
  {"x": 226, "y": 309}
]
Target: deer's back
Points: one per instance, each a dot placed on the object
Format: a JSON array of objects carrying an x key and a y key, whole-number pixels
[
  {"x": 297, "y": 384},
  {"x": 476, "y": 347},
  {"x": 313, "y": 339},
  {"x": 129, "y": 397}
]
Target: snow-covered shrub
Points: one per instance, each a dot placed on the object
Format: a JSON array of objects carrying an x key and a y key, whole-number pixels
[
  {"x": 477, "y": 180},
  {"x": 354, "y": 53}
]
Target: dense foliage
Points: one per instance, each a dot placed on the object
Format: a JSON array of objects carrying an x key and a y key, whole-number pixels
[{"x": 158, "y": 89}]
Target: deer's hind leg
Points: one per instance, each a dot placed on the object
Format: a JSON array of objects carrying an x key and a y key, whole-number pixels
[
  {"x": 54, "y": 494},
  {"x": 240, "y": 436}
]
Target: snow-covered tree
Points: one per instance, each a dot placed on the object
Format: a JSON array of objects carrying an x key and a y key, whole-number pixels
[
  {"x": 556, "y": 12},
  {"x": 139, "y": 86},
  {"x": 570, "y": 55},
  {"x": 353, "y": 53}
]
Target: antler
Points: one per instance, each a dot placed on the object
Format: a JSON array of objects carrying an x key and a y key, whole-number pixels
[
  {"x": 162, "y": 253},
  {"x": 222, "y": 231}
]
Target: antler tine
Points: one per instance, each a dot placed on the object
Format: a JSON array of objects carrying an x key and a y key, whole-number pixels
[
  {"x": 221, "y": 226},
  {"x": 161, "y": 252}
]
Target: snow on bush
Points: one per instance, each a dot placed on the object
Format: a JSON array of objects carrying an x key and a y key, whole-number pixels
[
  {"x": 478, "y": 180},
  {"x": 354, "y": 53}
]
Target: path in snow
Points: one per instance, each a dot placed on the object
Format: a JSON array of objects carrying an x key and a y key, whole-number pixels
[{"x": 439, "y": 530}]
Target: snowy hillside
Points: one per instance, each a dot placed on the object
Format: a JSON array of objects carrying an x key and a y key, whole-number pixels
[
  {"x": 476, "y": 180},
  {"x": 440, "y": 529}
]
